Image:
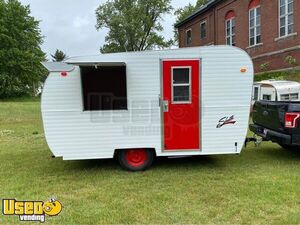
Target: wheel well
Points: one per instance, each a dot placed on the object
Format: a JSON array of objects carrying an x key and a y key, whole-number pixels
[{"x": 122, "y": 149}]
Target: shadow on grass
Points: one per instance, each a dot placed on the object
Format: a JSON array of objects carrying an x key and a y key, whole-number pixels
[
  {"x": 253, "y": 156},
  {"x": 159, "y": 163},
  {"x": 185, "y": 162},
  {"x": 272, "y": 151},
  {"x": 96, "y": 164},
  {"x": 283, "y": 154}
]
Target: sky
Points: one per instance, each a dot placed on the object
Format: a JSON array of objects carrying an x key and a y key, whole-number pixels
[{"x": 69, "y": 25}]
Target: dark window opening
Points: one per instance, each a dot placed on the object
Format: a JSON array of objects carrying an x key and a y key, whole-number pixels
[
  {"x": 267, "y": 97},
  {"x": 203, "y": 30},
  {"x": 104, "y": 87},
  {"x": 188, "y": 37},
  {"x": 255, "y": 94}
]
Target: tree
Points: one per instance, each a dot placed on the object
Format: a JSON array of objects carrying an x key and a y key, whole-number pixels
[
  {"x": 133, "y": 24},
  {"x": 20, "y": 52},
  {"x": 59, "y": 56},
  {"x": 186, "y": 11}
]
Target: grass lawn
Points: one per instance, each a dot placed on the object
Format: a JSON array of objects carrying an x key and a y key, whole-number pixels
[
  {"x": 260, "y": 186},
  {"x": 284, "y": 75}
]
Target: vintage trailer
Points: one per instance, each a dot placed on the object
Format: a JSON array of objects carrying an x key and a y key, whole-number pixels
[
  {"x": 141, "y": 105},
  {"x": 276, "y": 90}
]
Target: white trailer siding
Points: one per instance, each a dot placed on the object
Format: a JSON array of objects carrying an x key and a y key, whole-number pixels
[{"x": 76, "y": 134}]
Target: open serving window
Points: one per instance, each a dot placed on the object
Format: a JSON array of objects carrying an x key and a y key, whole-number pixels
[{"x": 104, "y": 86}]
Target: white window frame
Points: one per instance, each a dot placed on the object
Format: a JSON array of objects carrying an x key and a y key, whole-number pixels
[
  {"x": 203, "y": 22},
  {"x": 181, "y": 85},
  {"x": 255, "y": 26},
  {"x": 186, "y": 37},
  {"x": 286, "y": 17},
  {"x": 231, "y": 34}
]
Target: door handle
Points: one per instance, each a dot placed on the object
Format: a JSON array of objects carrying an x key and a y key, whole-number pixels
[{"x": 166, "y": 106}]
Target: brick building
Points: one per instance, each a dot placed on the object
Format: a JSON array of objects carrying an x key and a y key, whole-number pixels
[{"x": 269, "y": 30}]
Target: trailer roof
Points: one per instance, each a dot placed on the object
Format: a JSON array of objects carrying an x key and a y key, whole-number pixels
[
  {"x": 281, "y": 85},
  {"x": 106, "y": 59},
  {"x": 57, "y": 66}
]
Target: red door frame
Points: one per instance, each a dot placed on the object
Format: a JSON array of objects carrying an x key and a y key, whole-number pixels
[{"x": 192, "y": 131}]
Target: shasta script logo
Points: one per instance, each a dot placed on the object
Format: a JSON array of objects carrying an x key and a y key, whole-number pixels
[{"x": 225, "y": 121}]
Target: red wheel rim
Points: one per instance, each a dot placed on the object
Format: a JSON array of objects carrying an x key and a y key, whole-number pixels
[{"x": 136, "y": 157}]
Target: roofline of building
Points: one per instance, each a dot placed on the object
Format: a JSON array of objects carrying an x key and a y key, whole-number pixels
[{"x": 200, "y": 11}]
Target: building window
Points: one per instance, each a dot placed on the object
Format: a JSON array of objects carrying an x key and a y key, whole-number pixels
[
  {"x": 188, "y": 37},
  {"x": 203, "y": 30},
  {"x": 230, "y": 28},
  {"x": 254, "y": 23},
  {"x": 104, "y": 87},
  {"x": 286, "y": 17}
]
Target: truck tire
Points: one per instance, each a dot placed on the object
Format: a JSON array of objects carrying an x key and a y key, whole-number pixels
[
  {"x": 290, "y": 147},
  {"x": 135, "y": 159}
]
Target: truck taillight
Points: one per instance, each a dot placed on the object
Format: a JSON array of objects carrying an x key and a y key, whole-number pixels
[{"x": 291, "y": 119}]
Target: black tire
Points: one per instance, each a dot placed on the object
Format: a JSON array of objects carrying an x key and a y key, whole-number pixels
[
  {"x": 290, "y": 147},
  {"x": 136, "y": 159}
]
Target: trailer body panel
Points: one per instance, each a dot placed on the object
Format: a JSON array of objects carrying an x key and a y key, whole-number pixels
[{"x": 224, "y": 84}]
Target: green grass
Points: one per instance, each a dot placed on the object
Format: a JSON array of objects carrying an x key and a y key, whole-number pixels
[
  {"x": 284, "y": 75},
  {"x": 260, "y": 186}
]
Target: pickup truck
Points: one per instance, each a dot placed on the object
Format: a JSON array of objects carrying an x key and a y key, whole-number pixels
[{"x": 277, "y": 121}]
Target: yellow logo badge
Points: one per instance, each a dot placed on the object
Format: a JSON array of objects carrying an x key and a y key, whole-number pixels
[
  {"x": 31, "y": 210},
  {"x": 52, "y": 208}
]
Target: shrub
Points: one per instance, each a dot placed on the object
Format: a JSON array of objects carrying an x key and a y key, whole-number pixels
[
  {"x": 290, "y": 60},
  {"x": 264, "y": 67}
]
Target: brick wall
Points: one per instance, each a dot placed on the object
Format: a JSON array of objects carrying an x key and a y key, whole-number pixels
[
  {"x": 194, "y": 25},
  {"x": 272, "y": 50}
]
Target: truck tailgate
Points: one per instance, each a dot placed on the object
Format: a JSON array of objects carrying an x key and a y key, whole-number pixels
[{"x": 270, "y": 114}]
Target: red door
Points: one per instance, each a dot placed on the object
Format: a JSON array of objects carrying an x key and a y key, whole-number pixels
[{"x": 181, "y": 102}]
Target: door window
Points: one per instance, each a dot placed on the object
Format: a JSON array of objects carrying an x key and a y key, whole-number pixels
[{"x": 181, "y": 85}]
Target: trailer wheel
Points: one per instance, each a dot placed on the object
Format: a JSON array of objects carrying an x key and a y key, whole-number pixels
[{"x": 136, "y": 159}]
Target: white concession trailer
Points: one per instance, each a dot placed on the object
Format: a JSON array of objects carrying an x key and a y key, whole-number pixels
[
  {"x": 276, "y": 90},
  {"x": 136, "y": 106}
]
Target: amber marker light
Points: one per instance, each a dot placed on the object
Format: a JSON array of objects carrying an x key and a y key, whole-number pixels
[{"x": 243, "y": 70}]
